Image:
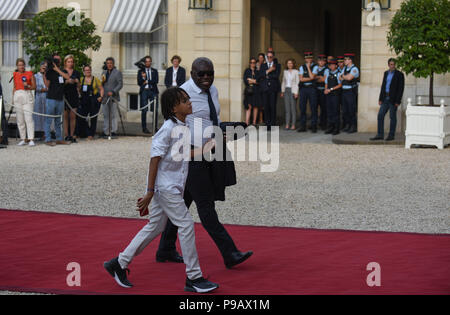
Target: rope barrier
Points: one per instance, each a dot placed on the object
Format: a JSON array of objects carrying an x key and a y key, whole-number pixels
[{"x": 72, "y": 109}]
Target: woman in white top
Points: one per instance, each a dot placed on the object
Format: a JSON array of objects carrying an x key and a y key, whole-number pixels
[{"x": 289, "y": 91}]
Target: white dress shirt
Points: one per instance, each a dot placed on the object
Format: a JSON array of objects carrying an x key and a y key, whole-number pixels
[
  {"x": 200, "y": 118},
  {"x": 174, "y": 76},
  {"x": 148, "y": 71},
  {"x": 172, "y": 170}
]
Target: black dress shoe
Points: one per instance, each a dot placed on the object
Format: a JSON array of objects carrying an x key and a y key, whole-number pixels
[
  {"x": 390, "y": 138},
  {"x": 146, "y": 131},
  {"x": 314, "y": 129},
  {"x": 237, "y": 258},
  {"x": 336, "y": 132},
  {"x": 352, "y": 130},
  {"x": 169, "y": 257},
  {"x": 302, "y": 129},
  {"x": 376, "y": 138},
  {"x": 329, "y": 131}
]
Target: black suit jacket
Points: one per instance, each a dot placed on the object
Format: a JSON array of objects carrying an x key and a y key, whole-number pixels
[
  {"x": 153, "y": 83},
  {"x": 181, "y": 77},
  {"x": 223, "y": 174},
  {"x": 396, "y": 89},
  {"x": 270, "y": 82}
]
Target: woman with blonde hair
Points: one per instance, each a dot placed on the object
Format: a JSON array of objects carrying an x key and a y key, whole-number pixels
[
  {"x": 24, "y": 84},
  {"x": 72, "y": 97},
  {"x": 289, "y": 91}
]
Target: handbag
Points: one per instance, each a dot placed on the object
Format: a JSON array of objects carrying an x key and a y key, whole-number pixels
[{"x": 249, "y": 90}]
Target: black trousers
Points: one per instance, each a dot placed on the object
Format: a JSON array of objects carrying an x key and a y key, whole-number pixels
[
  {"x": 270, "y": 107},
  {"x": 333, "y": 109},
  {"x": 4, "y": 127},
  {"x": 199, "y": 188},
  {"x": 349, "y": 107},
  {"x": 146, "y": 97},
  {"x": 322, "y": 103},
  {"x": 89, "y": 106}
]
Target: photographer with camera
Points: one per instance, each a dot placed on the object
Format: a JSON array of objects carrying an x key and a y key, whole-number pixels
[
  {"x": 148, "y": 80},
  {"x": 54, "y": 80},
  {"x": 112, "y": 81},
  {"x": 24, "y": 84}
]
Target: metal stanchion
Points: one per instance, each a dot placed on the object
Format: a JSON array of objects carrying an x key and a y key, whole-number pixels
[
  {"x": 1, "y": 122},
  {"x": 110, "y": 121},
  {"x": 154, "y": 115}
]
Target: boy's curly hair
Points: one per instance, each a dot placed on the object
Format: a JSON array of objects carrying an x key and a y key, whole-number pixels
[{"x": 171, "y": 98}]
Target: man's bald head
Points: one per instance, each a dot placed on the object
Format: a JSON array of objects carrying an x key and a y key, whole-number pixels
[{"x": 203, "y": 73}]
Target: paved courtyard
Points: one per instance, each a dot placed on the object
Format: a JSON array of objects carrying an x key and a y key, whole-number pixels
[{"x": 317, "y": 185}]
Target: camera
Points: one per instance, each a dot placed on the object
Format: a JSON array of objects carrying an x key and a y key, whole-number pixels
[
  {"x": 51, "y": 63},
  {"x": 141, "y": 64}
]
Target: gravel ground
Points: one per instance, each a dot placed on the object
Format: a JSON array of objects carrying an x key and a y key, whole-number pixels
[{"x": 318, "y": 185}]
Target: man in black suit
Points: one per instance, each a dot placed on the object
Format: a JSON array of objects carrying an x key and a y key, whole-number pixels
[
  {"x": 206, "y": 180},
  {"x": 176, "y": 75},
  {"x": 3, "y": 123},
  {"x": 269, "y": 78},
  {"x": 148, "y": 80},
  {"x": 390, "y": 99}
]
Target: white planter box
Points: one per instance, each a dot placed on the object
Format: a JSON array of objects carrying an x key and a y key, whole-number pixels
[{"x": 427, "y": 126}]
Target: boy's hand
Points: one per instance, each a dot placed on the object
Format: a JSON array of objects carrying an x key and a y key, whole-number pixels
[{"x": 143, "y": 203}]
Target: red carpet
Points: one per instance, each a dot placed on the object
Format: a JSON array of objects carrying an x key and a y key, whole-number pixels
[{"x": 37, "y": 247}]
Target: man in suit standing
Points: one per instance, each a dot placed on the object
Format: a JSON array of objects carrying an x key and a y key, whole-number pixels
[
  {"x": 176, "y": 75},
  {"x": 269, "y": 78},
  {"x": 206, "y": 180},
  {"x": 390, "y": 99},
  {"x": 148, "y": 80},
  {"x": 3, "y": 123},
  {"x": 112, "y": 83}
]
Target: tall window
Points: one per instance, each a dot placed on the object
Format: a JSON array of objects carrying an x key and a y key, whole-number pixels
[
  {"x": 12, "y": 46},
  {"x": 10, "y": 42},
  {"x": 159, "y": 38},
  {"x": 138, "y": 45}
]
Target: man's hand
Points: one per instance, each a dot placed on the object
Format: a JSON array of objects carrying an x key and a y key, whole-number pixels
[
  {"x": 282, "y": 95},
  {"x": 380, "y": 103},
  {"x": 397, "y": 105},
  {"x": 295, "y": 96},
  {"x": 327, "y": 91},
  {"x": 110, "y": 93}
]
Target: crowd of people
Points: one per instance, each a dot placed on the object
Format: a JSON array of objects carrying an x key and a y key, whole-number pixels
[
  {"x": 330, "y": 87},
  {"x": 58, "y": 91}
]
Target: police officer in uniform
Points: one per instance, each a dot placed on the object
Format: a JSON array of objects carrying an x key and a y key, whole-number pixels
[
  {"x": 341, "y": 66},
  {"x": 349, "y": 78},
  {"x": 320, "y": 85},
  {"x": 332, "y": 93},
  {"x": 308, "y": 73}
]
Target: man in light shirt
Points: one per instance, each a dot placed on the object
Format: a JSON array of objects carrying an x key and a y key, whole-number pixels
[{"x": 206, "y": 180}]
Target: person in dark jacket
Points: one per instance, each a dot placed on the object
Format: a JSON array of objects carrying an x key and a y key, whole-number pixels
[
  {"x": 251, "y": 97},
  {"x": 3, "y": 123},
  {"x": 176, "y": 75},
  {"x": 390, "y": 99},
  {"x": 148, "y": 80},
  {"x": 269, "y": 80}
]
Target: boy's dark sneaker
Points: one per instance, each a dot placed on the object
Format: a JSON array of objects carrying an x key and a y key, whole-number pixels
[
  {"x": 119, "y": 274},
  {"x": 200, "y": 285}
]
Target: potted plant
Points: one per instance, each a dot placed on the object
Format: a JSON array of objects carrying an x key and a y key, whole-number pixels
[{"x": 419, "y": 34}]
